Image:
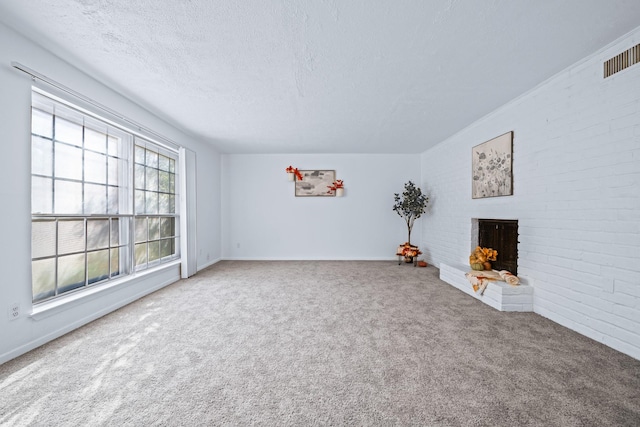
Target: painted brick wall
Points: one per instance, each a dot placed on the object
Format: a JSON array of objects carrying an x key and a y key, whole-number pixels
[{"x": 576, "y": 196}]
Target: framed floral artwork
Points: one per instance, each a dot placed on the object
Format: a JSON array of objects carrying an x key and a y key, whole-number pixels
[
  {"x": 315, "y": 183},
  {"x": 492, "y": 167}
]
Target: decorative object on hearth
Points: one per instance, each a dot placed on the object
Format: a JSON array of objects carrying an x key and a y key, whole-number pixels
[
  {"x": 336, "y": 187},
  {"x": 480, "y": 280},
  {"x": 314, "y": 183},
  {"x": 509, "y": 278},
  {"x": 480, "y": 258},
  {"x": 410, "y": 205},
  {"x": 422, "y": 263},
  {"x": 492, "y": 167},
  {"x": 293, "y": 173},
  {"x": 409, "y": 252}
]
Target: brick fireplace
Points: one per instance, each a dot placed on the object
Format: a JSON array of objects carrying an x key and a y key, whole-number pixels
[{"x": 501, "y": 235}]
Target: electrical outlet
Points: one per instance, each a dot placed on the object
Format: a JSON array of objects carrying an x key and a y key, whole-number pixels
[{"x": 13, "y": 311}]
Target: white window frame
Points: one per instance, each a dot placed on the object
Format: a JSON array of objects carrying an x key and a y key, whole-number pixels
[{"x": 126, "y": 192}]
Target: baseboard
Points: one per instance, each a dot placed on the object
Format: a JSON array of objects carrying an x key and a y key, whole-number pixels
[{"x": 209, "y": 264}]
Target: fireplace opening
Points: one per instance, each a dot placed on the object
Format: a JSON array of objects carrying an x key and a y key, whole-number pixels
[{"x": 501, "y": 235}]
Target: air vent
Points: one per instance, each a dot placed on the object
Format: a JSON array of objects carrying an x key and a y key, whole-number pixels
[{"x": 622, "y": 61}]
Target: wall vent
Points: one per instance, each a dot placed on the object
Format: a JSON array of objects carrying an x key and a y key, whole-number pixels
[{"x": 622, "y": 61}]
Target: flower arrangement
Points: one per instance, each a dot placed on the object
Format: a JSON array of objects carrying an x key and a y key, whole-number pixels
[
  {"x": 336, "y": 184},
  {"x": 408, "y": 251},
  {"x": 480, "y": 258},
  {"x": 296, "y": 173}
]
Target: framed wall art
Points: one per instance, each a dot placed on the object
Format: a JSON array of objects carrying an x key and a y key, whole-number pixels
[
  {"x": 315, "y": 183},
  {"x": 492, "y": 167}
]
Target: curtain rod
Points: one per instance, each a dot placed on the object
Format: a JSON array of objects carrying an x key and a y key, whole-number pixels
[{"x": 36, "y": 75}]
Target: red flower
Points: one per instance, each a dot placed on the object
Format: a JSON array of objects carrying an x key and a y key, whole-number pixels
[{"x": 295, "y": 171}]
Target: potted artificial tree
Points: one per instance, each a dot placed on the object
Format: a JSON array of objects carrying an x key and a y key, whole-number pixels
[{"x": 410, "y": 206}]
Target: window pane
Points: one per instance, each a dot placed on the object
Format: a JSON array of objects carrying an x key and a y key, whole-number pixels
[
  {"x": 163, "y": 163},
  {"x": 172, "y": 204},
  {"x": 140, "y": 174},
  {"x": 68, "y": 132},
  {"x": 98, "y": 265},
  {"x": 97, "y": 234},
  {"x": 41, "y": 123},
  {"x": 68, "y": 162},
  {"x": 113, "y": 145},
  {"x": 41, "y": 156},
  {"x": 68, "y": 197},
  {"x": 95, "y": 199},
  {"x": 152, "y": 159},
  {"x": 141, "y": 229},
  {"x": 94, "y": 140},
  {"x": 140, "y": 154},
  {"x": 172, "y": 165},
  {"x": 165, "y": 247},
  {"x": 152, "y": 179},
  {"x": 41, "y": 200},
  {"x": 70, "y": 236},
  {"x": 70, "y": 272},
  {"x": 43, "y": 239},
  {"x": 165, "y": 183},
  {"x": 140, "y": 201},
  {"x": 154, "y": 251},
  {"x": 43, "y": 282},
  {"x": 115, "y": 232},
  {"x": 154, "y": 228},
  {"x": 113, "y": 207},
  {"x": 141, "y": 254},
  {"x": 95, "y": 167},
  {"x": 167, "y": 227},
  {"x": 163, "y": 204},
  {"x": 151, "y": 202},
  {"x": 115, "y": 262},
  {"x": 113, "y": 171},
  {"x": 172, "y": 182}
]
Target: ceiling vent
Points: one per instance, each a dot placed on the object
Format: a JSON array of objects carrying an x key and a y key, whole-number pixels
[{"x": 622, "y": 61}]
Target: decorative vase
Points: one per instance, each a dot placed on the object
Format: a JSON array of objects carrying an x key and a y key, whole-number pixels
[
  {"x": 291, "y": 176},
  {"x": 408, "y": 259},
  {"x": 339, "y": 192}
]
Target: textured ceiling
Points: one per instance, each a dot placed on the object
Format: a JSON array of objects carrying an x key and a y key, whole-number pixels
[{"x": 321, "y": 76}]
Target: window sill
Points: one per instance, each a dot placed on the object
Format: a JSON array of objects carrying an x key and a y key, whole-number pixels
[{"x": 48, "y": 308}]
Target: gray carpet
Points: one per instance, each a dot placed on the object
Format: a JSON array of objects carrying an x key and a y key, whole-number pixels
[{"x": 319, "y": 343}]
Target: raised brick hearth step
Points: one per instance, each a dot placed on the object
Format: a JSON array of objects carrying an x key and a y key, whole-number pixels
[{"x": 498, "y": 295}]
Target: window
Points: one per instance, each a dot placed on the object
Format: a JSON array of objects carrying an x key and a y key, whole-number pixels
[
  {"x": 155, "y": 195},
  {"x": 99, "y": 211}
]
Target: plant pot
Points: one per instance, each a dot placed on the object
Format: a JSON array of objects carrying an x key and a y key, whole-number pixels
[
  {"x": 487, "y": 265},
  {"x": 408, "y": 259},
  {"x": 339, "y": 192}
]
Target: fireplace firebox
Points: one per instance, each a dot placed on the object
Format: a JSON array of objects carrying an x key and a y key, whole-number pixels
[{"x": 501, "y": 235}]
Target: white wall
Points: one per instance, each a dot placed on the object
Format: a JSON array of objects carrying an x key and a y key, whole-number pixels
[
  {"x": 262, "y": 215},
  {"x": 576, "y": 196},
  {"x": 24, "y": 333}
]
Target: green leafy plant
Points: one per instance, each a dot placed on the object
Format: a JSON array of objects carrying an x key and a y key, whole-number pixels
[{"x": 410, "y": 206}]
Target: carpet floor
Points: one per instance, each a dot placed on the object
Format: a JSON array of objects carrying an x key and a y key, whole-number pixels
[{"x": 319, "y": 343}]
